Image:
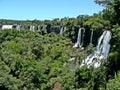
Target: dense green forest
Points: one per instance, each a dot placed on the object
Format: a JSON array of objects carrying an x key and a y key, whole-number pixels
[{"x": 37, "y": 60}]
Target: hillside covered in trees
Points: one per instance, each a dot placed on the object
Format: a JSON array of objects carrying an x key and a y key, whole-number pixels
[{"x": 37, "y": 60}]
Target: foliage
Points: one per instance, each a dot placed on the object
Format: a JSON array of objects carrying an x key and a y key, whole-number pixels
[
  {"x": 31, "y": 61},
  {"x": 96, "y": 22},
  {"x": 103, "y": 2},
  {"x": 36, "y": 60},
  {"x": 112, "y": 6},
  {"x": 114, "y": 84}
]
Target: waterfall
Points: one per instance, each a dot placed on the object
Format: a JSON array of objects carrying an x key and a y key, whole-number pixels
[
  {"x": 18, "y": 27},
  {"x": 65, "y": 28},
  {"x": 32, "y": 28},
  {"x": 39, "y": 27},
  {"x": 61, "y": 30},
  {"x": 77, "y": 44},
  {"x": 44, "y": 27},
  {"x": 103, "y": 44},
  {"x": 101, "y": 52},
  {"x": 91, "y": 37}
]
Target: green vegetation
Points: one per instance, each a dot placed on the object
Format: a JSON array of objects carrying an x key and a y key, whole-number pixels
[
  {"x": 36, "y": 60},
  {"x": 29, "y": 60}
]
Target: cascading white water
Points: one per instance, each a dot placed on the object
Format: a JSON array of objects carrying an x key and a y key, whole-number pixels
[
  {"x": 18, "y": 27},
  {"x": 44, "y": 27},
  {"x": 91, "y": 37},
  {"x": 32, "y": 28},
  {"x": 101, "y": 52},
  {"x": 77, "y": 44},
  {"x": 65, "y": 28},
  {"x": 39, "y": 27},
  {"x": 61, "y": 30},
  {"x": 103, "y": 44}
]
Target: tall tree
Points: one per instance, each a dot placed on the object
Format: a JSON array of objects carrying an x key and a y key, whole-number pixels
[{"x": 113, "y": 7}]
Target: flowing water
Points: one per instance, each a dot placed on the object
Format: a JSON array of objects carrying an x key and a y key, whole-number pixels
[
  {"x": 18, "y": 27},
  {"x": 77, "y": 44},
  {"x": 32, "y": 28},
  {"x": 101, "y": 52},
  {"x": 61, "y": 30},
  {"x": 39, "y": 27}
]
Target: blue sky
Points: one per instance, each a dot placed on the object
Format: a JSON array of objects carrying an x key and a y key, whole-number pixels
[{"x": 46, "y": 9}]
